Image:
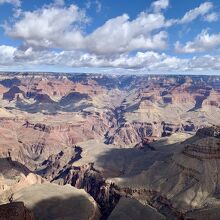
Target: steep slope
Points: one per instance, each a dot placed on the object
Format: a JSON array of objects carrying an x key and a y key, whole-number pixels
[
  {"x": 189, "y": 178},
  {"x": 114, "y": 136}
]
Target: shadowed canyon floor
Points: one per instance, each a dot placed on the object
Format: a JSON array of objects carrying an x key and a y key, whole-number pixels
[{"x": 149, "y": 144}]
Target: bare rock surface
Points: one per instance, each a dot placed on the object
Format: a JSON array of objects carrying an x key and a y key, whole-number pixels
[
  {"x": 131, "y": 209},
  {"x": 13, "y": 177},
  {"x": 189, "y": 178},
  {"x": 51, "y": 201},
  {"x": 113, "y": 136}
]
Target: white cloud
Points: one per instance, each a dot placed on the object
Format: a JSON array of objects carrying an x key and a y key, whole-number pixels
[
  {"x": 159, "y": 5},
  {"x": 203, "y": 42},
  {"x": 56, "y": 27},
  {"x": 121, "y": 42},
  {"x": 191, "y": 15},
  {"x": 212, "y": 17},
  {"x": 149, "y": 61},
  {"x": 16, "y": 3},
  {"x": 119, "y": 35},
  {"x": 50, "y": 27},
  {"x": 6, "y": 54},
  {"x": 202, "y": 11}
]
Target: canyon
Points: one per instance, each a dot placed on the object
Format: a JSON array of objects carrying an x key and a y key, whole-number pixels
[{"x": 99, "y": 146}]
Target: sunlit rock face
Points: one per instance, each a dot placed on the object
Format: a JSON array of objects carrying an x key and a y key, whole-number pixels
[
  {"x": 190, "y": 177},
  {"x": 58, "y": 111},
  {"x": 144, "y": 137}
]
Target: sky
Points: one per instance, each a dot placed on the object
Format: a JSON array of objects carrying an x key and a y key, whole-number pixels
[{"x": 109, "y": 36}]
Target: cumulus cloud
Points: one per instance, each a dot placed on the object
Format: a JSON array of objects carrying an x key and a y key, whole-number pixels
[
  {"x": 55, "y": 27},
  {"x": 121, "y": 42},
  {"x": 203, "y": 42},
  {"x": 6, "y": 55},
  {"x": 149, "y": 61},
  {"x": 82, "y": 59},
  {"x": 191, "y": 15},
  {"x": 212, "y": 17},
  {"x": 120, "y": 34},
  {"x": 50, "y": 27},
  {"x": 159, "y": 5},
  {"x": 16, "y": 3},
  {"x": 202, "y": 11}
]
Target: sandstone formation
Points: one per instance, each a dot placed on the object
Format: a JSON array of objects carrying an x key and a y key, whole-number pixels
[
  {"x": 14, "y": 177},
  {"x": 92, "y": 181},
  {"x": 142, "y": 137},
  {"x": 123, "y": 111},
  {"x": 56, "y": 164},
  {"x": 189, "y": 178},
  {"x": 51, "y": 201}
]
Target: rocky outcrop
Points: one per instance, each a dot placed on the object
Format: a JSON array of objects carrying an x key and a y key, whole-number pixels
[
  {"x": 15, "y": 211},
  {"x": 14, "y": 177},
  {"x": 125, "y": 135},
  {"x": 213, "y": 131},
  {"x": 213, "y": 100},
  {"x": 55, "y": 164},
  {"x": 31, "y": 142},
  {"x": 208, "y": 145},
  {"x": 37, "y": 126},
  {"x": 91, "y": 180},
  {"x": 182, "y": 176},
  {"x": 132, "y": 134},
  {"x": 51, "y": 201},
  {"x": 158, "y": 206},
  {"x": 169, "y": 129}
]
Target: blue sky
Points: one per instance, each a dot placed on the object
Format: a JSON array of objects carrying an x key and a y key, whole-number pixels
[{"x": 161, "y": 36}]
